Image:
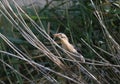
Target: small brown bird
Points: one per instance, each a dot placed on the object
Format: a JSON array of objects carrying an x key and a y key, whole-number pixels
[{"x": 67, "y": 46}]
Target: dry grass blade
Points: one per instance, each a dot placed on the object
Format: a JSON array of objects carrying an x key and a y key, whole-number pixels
[
  {"x": 99, "y": 17},
  {"x": 16, "y": 71},
  {"x": 31, "y": 54},
  {"x": 37, "y": 66},
  {"x": 32, "y": 39}
]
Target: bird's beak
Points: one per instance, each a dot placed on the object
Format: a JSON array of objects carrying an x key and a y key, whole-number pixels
[{"x": 56, "y": 35}]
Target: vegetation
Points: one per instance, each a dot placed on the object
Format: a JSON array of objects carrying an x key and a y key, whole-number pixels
[{"x": 29, "y": 53}]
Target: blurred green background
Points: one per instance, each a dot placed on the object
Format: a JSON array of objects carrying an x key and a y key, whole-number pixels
[{"x": 75, "y": 18}]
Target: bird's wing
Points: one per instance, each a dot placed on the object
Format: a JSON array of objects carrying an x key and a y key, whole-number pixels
[
  {"x": 78, "y": 49},
  {"x": 79, "y": 57}
]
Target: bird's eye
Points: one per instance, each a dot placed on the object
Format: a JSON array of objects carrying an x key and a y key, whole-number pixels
[{"x": 62, "y": 37}]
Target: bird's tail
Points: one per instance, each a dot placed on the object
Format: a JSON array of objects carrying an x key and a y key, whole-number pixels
[{"x": 79, "y": 57}]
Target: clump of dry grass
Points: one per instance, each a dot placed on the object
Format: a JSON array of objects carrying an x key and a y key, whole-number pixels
[{"x": 52, "y": 63}]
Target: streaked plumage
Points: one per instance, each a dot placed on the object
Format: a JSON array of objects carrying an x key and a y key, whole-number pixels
[{"x": 67, "y": 46}]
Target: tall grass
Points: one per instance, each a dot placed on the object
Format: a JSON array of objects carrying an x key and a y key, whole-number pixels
[{"x": 29, "y": 54}]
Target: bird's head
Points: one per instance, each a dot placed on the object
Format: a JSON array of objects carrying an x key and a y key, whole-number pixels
[{"x": 61, "y": 36}]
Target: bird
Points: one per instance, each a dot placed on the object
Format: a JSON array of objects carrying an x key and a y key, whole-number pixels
[{"x": 68, "y": 46}]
